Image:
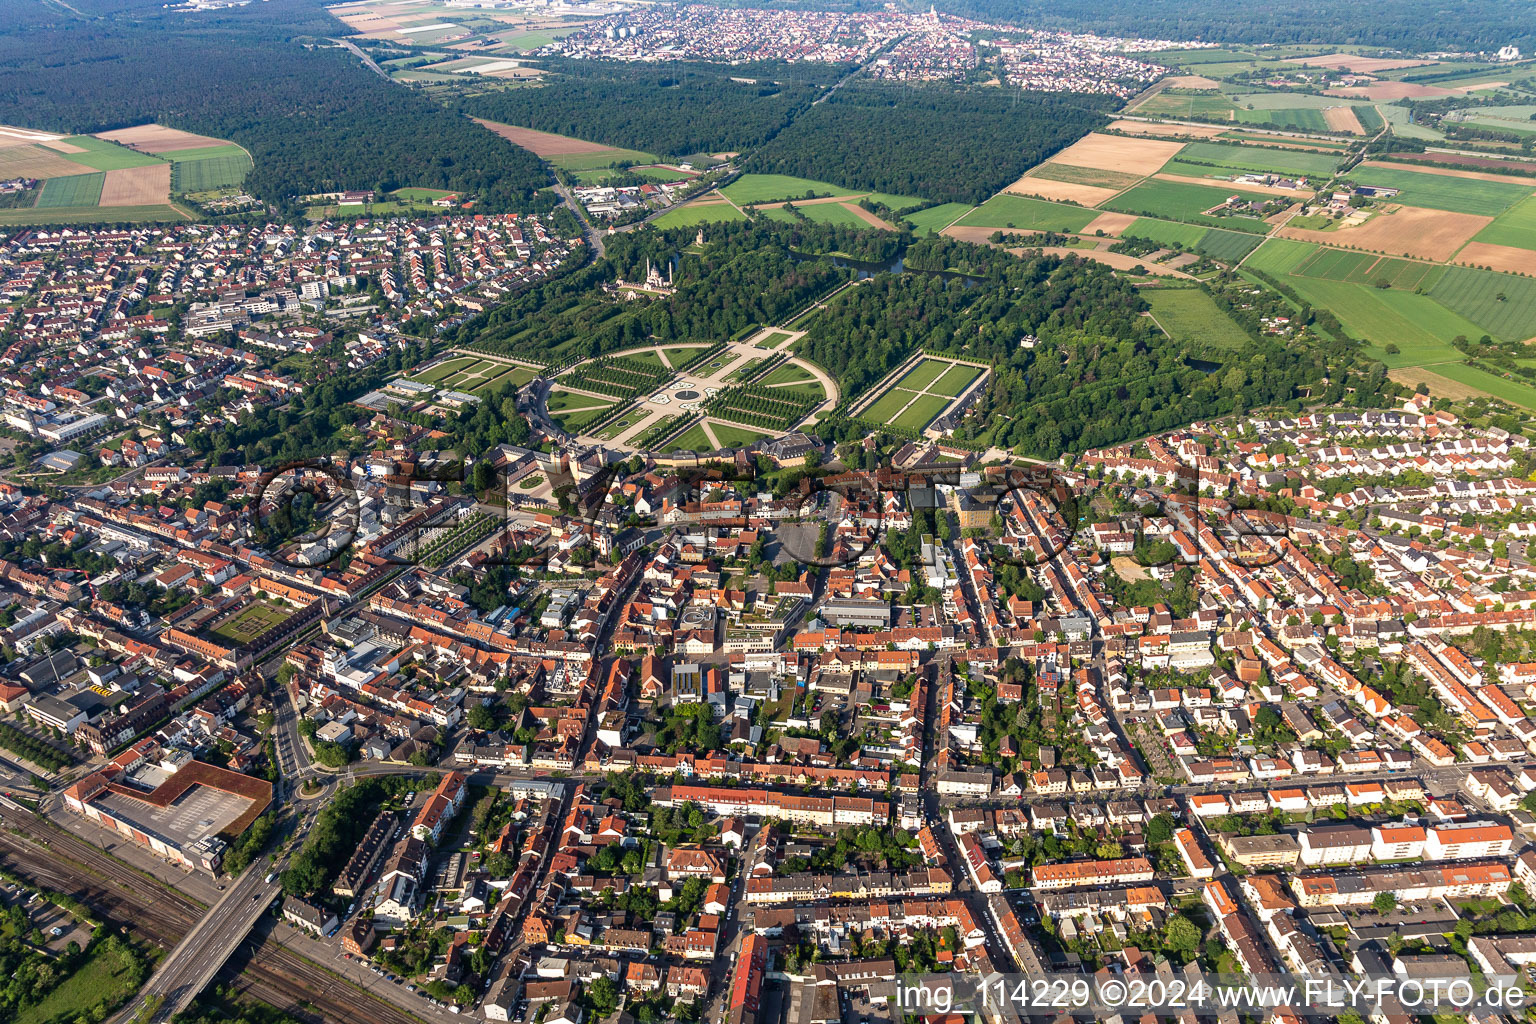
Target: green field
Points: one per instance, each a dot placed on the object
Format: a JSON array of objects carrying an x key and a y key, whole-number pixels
[
  {"x": 446, "y": 369},
  {"x": 517, "y": 376},
  {"x": 736, "y": 437},
  {"x": 923, "y": 374},
  {"x": 1286, "y": 117},
  {"x": 769, "y": 188},
  {"x": 771, "y": 339},
  {"x": 937, "y": 218},
  {"x": 92, "y": 215},
  {"x": 1399, "y": 117},
  {"x": 1190, "y": 316},
  {"x": 1421, "y": 327},
  {"x": 1368, "y": 268},
  {"x": 1180, "y": 201},
  {"x": 1230, "y": 246},
  {"x": 1516, "y": 227},
  {"x": 1005, "y": 211},
  {"x": 694, "y": 214},
  {"x": 559, "y": 400},
  {"x": 1166, "y": 232},
  {"x": 576, "y": 422},
  {"x": 921, "y": 412},
  {"x": 621, "y": 424},
  {"x": 643, "y": 355},
  {"x": 74, "y": 190},
  {"x": 103, "y": 979},
  {"x": 789, "y": 373},
  {"x": 1259, "y": 158},
  {"x": 955, "y": 380},
  {"x": 895, "y": 202},
  {"x": 832, "y": 213},
  {"x": 107, "y": 156},
  {"x": 201, "y": 170},
  {"x": 1170, "y": 103},
  {"x": 889, "y": 405},
  {"x": 1443, "y": 192},
  {"x": 589, "y": 161},
  {"x": 677, "y": 355},
  {"x": 1277, "y": 256},
  {"x": 422, "y": 194},
  {"x": 1502, "y": 303},
  {"x": 691, "y": 440},
  {"x": 251, "y": 622},
  {"x": 1514, "y": 392}
]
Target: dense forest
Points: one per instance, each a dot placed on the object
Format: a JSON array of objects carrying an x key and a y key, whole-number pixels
[
  {"x": 674, "y": 108},
  {"x": 1405, "y": 24},
  {"x": 1098, "y": 372},
  {"x": 935, "y": 141},
  {"x": 313, "y": 118}
]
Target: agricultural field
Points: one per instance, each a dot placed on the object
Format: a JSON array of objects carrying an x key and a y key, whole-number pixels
[
  {"x": 1446, "y": 192},
  {"x": 1178, "y": 200},
  {"x": 75, "y": 190},
  {"x": 1191, "y": 316},
  {"x": 1516, "y": 227},
  {"x": 843, "y": 214},
  {"x": 750, "y": 189},
  {"x": 1502, "y": 303},
  {"x": 1085, "y": 175},
  {"x": 1514, "y": 392},
  {"x": 106, "y": 156},
  {"x": 1020, "y": 213},
  {"x": 1183, "y": 103},
  {"x": 1369, "y": 269},
  {"x": 1228, "y": 246},
  {"x": 1267, "y": 159}
]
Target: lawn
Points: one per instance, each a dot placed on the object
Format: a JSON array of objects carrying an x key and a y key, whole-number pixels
[
  {"x": 1178, "y": 200},
  {"x": 694, "y": 214},
  {"x": 517, "y": 376},
  {"x": 647, "y": 356},
  {"x": 691, "y": 440},
  {"x": 767, "y": 188},
  {"x": 889, "y": 405},
  {"x": 559, "y": 400},
  {"x": 789, "y": 373},
  {"x": 1005, "y": 211},
  {"x": 107, "y": 156},
  {"x": 1515, "y": 227},
  {"x": 576, "y": 422},
  {"x": 102, "y": 979},
  {"x": 921, "y": 412},
  {"x": 955, "y": 380},
  {"x": 1190, "y": 316},
  {"x": 1476, "y": 295},
  {"x": 1259, "y": 158},
  {"x": 736, "y": 437},
  {"x": 937, "y": 218},
  {"x": 251, "y": 622},
  {"x": 74, "y": 190},
  {"x": 923, "y": 374},
  {"x": 1444, "y": 192},
  {"x": 677, "y": 355},
  {"x": 446, "y": 369},
  {"x": 771, "y": 339},
  {"x": 621, "y": 424}
]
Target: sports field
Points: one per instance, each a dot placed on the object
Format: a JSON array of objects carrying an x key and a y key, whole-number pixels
[
  {"x": 1190, "y": 316},
  {"x": 1005, "y": 211},
  {"x": 770, "y": 188},
  {"x": 1178, "y": 200},
  {"x": 1445, "y": 192},
  {"x": 1515, "y": 227},
  {"x": 207, "y": 168}
]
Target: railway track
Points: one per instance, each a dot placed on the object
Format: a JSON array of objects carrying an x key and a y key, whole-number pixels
[{"x": 261, "y": 968}]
